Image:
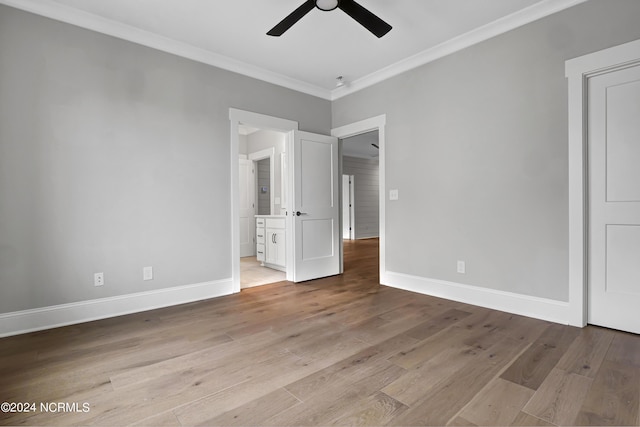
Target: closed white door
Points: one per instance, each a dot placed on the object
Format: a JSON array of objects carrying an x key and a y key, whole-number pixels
[
  {"x": 614, "y": 199},
  {"x": 247, "y": 209},
  {"x": 315, "y": 207}
]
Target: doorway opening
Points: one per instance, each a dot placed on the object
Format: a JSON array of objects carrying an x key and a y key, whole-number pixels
[
  {"x": 361, "y": 186},
  {"x": 369, "y": 136},
  {"x": 262, "y": 195},
  {"x": 238, "y": 118}
]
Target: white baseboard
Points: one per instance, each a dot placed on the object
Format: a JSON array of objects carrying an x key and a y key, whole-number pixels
[
  {"x": 524, "y": 305},
  {"x": 20, "y": 322}
]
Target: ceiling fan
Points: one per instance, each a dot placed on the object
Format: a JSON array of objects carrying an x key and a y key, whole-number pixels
[{"x": 367, "y": 19}]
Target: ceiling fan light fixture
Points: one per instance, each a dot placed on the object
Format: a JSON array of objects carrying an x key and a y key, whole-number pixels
[
  {"x": 360, "y": 14},
  {"x": 327, "y": 5}
]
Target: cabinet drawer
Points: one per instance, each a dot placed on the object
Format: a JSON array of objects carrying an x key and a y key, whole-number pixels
[
  {"x": 260, "y": 252},
  {"x": 260, "y": 235},
  {"x": 275, "y": 223},
  {"x": 259, "y": 222}
]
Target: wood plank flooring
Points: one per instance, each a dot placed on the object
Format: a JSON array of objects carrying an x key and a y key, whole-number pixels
[{"x": 338, "y": 351}]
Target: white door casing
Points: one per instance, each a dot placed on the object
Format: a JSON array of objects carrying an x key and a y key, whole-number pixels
[
  {"x": 236, "y": 118},
  {"x": 614, "y": 199},
  {"x": 315, "y": 206},
  {"x": 247, "y": 208},
  {"x": 579, "y": 71},
  {"x": 374, "y": 123}
]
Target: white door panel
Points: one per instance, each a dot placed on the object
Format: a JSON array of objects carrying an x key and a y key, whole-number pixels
[
  {"x": 315, "y": 206},
  {"x": 622, "y": 141},
  {"x": 614, "y": 199}
]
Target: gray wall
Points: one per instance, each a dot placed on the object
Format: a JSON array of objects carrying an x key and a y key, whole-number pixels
[
  {"x": 366, "y": 195},
  {"x": 477, "y": 146},
  {"x": 113, "y": 157}
]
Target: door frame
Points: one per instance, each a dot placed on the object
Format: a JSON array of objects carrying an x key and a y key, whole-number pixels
[
  {"x": 374, "y": 123},
  {"x": 578, "y": 71},
  {"x": 262, "y": 121}
]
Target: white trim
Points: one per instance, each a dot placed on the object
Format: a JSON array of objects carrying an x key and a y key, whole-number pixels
[
  {"x": 261, "y": 121},
  {"x": 478, "y": 35},
  {"x": 523, "y": 305},
  {"x": 374, "y": 123},
  {"x": 38, "y": 319},
  {"x": 578, "y": 71},
  {"x": 70, "y": 15},
  {"x": 267, "y": 153},
  {"x": 90, "y": 21}
]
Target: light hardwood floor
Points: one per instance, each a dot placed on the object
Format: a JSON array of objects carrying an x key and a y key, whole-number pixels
[{"x": 337, "y": 351}]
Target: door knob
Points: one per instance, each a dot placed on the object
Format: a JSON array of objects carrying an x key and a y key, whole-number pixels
[{"x": 298, "y": 213}]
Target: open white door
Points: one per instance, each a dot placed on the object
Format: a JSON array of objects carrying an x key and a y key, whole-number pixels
[{"x": 315, "y": 206}]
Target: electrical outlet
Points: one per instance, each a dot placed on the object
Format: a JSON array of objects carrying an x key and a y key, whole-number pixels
[
  {"x": 147, "y": 273},
  {"x": 462, "y": 267},
  {"x": 98, "y": 279}
]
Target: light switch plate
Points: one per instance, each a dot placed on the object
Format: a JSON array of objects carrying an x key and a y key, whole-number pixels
[{"x": 393, "y": 194}]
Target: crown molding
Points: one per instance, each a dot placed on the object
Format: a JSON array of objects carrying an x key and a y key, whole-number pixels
[
  {"x": 495, "y": 28},
  {"x": 79, "y": 18},
  {"x": 89, "y": 21}
]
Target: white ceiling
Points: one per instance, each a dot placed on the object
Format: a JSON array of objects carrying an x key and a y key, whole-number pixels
[{"x": 323, "y": 45}]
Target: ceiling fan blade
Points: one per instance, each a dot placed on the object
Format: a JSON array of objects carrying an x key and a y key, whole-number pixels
[
  {"x": 294, "y": 17},
  {"x": 367, "y": 19}
]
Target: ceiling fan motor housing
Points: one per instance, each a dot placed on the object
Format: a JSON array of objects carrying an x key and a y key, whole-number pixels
[{"x": 327, "y": 5}]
